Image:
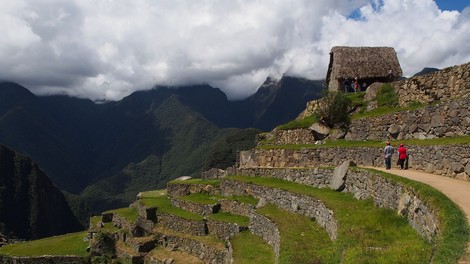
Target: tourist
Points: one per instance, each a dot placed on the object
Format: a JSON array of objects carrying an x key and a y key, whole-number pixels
[
  {"x": 356, "y": 85},
  {"x": 390, "y": 75},
  {"x": 346, "y": 85},
  {"x": 401, "y": 156},
  {"x": 388, "y": 152}
]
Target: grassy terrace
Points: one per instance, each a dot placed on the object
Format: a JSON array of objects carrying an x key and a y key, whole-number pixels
[
  {"x": 464, "y": 140},
  {"x": 164, "y": 206},
  {"x": 230, "y": 218},
  {"x": 69, "y": 244},
  {"x": 128, "y": 213},
  {"x": 249, "y": 249},
  {"x": 302, "y": 242},
  {"x": 367, "y": 234},
  {"x": 455, "y": 231},
  {"x": 214, "y": 182}
]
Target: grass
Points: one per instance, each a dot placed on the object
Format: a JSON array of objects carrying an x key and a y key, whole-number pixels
[
  {"x": 342, "y": 143},
  {"x": 196, "y": 181},
  {"x": 164, "y": 206},
  {"x": 302, "y": 242},
  {"x": 249, "y": 249},
  {"x": 301, "y": 123},
  {"x": 230, "y": 218},
  {"x": 70, "y": 244},
  {"x": 243, "y": 199},
  {"x": 366, "y": 234},
  {"x": 128, "y": 213},
  {"x": 454, "y": 236}
]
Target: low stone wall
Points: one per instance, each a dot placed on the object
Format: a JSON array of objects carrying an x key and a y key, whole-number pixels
[
  {"x": 224, "y": 230},
  {"x": 395, "y": 196},
  {"x": 314, "y": 177},
  {"x": 183, "y": 189},
  {"x": 205, "y": 252},
  {"x": 147, "y": 213},
  {"x": 448, "y": 83},
  {"x": 447, "y": 160},
  {"x": 447, "y": 119},
  {"x": 296, "y": 203},
  {"x": 236, "y": 208},
  {"x": 44, "y": 260},
  {"x": 197, "y": 208},
  {"x": 192, "y": 227},
  {"x": 268, "y": 231},
  {"x": 293, "y": 136}
]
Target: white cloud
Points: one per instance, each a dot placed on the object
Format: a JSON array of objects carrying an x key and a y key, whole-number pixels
[{"x": 108, "y": 49}]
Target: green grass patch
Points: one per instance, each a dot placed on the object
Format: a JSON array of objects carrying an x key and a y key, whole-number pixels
[
  {"x": 71, "y": 244},
  {"x": 302, "y": 242},
  {"x": 366, "y": 234},
  {"x": 301, "y": 123},
  {"x": 128, "y": 213},
  {"x": 213, "y": 182},
  {"x": 201, "y": 198},
  {"x": 249, "y": 249},
  {"x": 230, "y": 218},
  {"x": 342, "y": 143},
  {"x": 386, "y": 96},
  {"x": 164, "y": 206}
]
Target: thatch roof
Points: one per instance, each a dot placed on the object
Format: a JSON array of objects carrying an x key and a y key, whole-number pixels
[{"x": 362, "y": 62}]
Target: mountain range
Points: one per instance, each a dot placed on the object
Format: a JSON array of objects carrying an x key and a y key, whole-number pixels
[{"x": 104, "y": 153}]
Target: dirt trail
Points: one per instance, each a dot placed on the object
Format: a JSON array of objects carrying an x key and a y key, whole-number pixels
[{"x": 457, "y": 190}]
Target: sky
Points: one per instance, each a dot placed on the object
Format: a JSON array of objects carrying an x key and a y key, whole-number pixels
[{"x": 107, "y": 49}]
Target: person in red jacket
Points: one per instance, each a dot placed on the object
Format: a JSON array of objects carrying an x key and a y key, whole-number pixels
[{"x": 401, "y": 156}]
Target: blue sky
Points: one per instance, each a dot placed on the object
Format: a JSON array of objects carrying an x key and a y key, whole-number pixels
[
  {"x": 458, "y": 5},
  {"x": 108, "y": 49}
]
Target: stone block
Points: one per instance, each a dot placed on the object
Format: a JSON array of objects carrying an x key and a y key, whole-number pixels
[{"x": 339, "y": 175}]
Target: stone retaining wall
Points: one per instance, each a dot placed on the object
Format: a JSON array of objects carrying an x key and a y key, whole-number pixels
[
  {"x": 197, "y": 208},
  {"x": 224, "y": 230},
  {"x": 236, "y": 208},
  {"x": 395, "y": 196},
  {"x": 447, "y": 119},
  {"x": 292, "y": 136},
  {"x": 268, "y": 231},
  {"x": 296, "y": 203},
  {"x": 179, "y": 224},
  {"x": 314, "y": 177},
  {"x": 447, "y": 160},
  {"x": 205, "y": 252},
  {"x": 448, "y": 83},
  {"x": 183, "y": 189}
]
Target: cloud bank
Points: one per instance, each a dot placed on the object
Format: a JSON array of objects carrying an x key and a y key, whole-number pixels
[{"x": 108, "y": 49}]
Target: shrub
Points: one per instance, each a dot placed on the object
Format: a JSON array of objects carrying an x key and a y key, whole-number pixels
[{"x": 333, "y": 110}]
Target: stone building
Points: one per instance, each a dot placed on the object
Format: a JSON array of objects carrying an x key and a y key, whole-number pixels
[{"x": 367, "y": 64}]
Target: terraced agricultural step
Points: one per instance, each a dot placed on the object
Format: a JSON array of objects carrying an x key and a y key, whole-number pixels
[
  {"x": 359, "y": 222},
  {"x": 207, "y": 248}
]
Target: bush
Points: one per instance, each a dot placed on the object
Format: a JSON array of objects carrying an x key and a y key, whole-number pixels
[{"x": 333, "y": 111}]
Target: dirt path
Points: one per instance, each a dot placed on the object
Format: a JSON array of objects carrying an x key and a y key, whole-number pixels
[{"x": 457, "y": 190}]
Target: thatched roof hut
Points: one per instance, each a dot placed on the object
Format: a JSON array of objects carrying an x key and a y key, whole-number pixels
[{"x": 368, "y": 64}]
